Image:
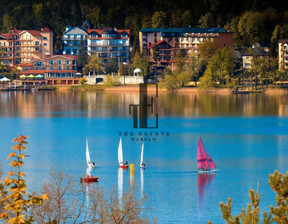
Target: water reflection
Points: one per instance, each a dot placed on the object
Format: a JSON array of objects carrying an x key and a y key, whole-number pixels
[
  {"x": 107, "y": 104},
  {"x": 142, "y": 183},
  {"x": 120, "y": 184},
  {"x": 204, "y": 179}
]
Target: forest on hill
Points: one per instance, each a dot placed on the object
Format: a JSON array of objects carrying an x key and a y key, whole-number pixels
[{"x": 262, "y": 21}]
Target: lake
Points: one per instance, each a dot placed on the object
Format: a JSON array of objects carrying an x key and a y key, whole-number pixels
[{"x": 245, "y": 135}]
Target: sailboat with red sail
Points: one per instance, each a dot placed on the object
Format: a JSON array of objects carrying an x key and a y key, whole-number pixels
[{"x": 205, "y": 163}]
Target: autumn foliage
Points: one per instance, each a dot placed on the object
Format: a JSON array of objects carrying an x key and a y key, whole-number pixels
[{"x": 14, "y": 199}]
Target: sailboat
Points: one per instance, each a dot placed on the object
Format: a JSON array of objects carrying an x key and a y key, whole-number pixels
[
  {"x": 89, "y": 164},
  {"x": 142, "y": 164},
  {"x": 205, "y": 163},
  {"x": 89, "y": 178},
  {"x": 120, "y": 156}
]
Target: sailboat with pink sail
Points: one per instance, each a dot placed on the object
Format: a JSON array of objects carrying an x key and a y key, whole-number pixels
[{"x": 205, "y": 163}]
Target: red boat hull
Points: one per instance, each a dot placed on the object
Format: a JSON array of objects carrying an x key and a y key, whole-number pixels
[
  {"x": 124, "y": 166},
  {"x": 89, "y": 179}
]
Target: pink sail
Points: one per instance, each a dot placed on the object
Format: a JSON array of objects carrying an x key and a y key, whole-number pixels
[
  {"x": 201, "y": 156},
  {"x": 211, "y": 163}
]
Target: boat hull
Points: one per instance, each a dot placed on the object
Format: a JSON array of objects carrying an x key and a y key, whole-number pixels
[
  {"x": 124, "y": 166},
  {"x": 89, "y": 179},
  {"x": 207, "y": 171}
]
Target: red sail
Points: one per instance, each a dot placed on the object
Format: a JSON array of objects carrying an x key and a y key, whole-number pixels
[
  {"x": 201, "y": 156},
  {"x": 211, "y": 163}
]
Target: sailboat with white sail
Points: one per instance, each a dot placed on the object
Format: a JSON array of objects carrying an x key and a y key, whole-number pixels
[
  {"x": 142, "y": 164},
  {"x": 88, "y": 160},
  {"x": 120, "y": 156},
  {"x": 205, "y": 163}
]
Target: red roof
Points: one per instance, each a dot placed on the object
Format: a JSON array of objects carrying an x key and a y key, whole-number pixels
[
  {"x": 33, "y": 72},
  {"x": 160, "y": 42},
  {"x": 6, "y": 35},
  {"x": 61, "y": 71},
  {"x": 99, "y": 31},
  {"x": 25, "y": 65},
  {"x": 62, "y": 56},
  {"x": 46, "y": 29}
]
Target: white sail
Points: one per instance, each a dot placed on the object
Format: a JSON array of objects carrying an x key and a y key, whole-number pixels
[
  {"x": 87, "y": 154},
  {"x": 142, "y": 154},
  {"x": 120, "y": 152}
]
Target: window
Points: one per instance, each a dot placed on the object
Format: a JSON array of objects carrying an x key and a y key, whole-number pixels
[
  {"x": 37, "y": 43},
  {"x": 67, "y": 62},
  {"x": 67, "y": 67},
  {"x": 74, "y": 62},
  {"x": 45, "y": 44},
  {"x": 44, "y": 38},
  {"x": 50, "y": 67},
  {"x": 59, "y": 62},
  {"x": 68, "y": 51},
  {"x": 59, "y": 67},
  {"x": 50, "y": 62},
  {"x": 37, "y": 49}
]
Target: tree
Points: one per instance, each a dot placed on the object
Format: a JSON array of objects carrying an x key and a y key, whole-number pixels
[
  {"x": 207, "y": 49},
  {"x": 206, "y": 21},
  {"x": 94, "y": 65},
  {"x": 279, "y": 214},
  {"x": 251, "y": 28},
  {"x": 158, "y": 19},
  {"x": 13, "y": 194},
  {"x": 112, "y": 66},
  {"x": 259, "y": 67},
  {"x": 82, "y": 58},
  {"x": 140, "y": 61},
  {"x": 187, "y": 18},
  {"x": 68, "y": 203},
  {"x": 274, "y": 41},
  {"x": 82, "y": 81},
  {"x": 195, "y": 67}
]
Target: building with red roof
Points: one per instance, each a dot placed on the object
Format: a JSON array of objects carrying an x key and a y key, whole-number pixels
[
  {"x": 54, "y": 69},
  {"x": 21, "y": 46},
  {"x": 109, "y": 43}
]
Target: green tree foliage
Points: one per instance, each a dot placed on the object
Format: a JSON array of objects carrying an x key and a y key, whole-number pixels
[
  {"x": 274, "y": 41},
  {"x": 82, "y": 81},
  {"x": 110, "y": 81},
  {"x": 279, "y": 184},
  {"x": 251, "y": 28},
  {"x": 141, "y": 61},
  {"x": 195, "y": 66},
  {"x": 187, "y": 19},
  {"x": 207, "y": 49},
  {"x": 95, "y": 65},
  {"x": 206, "y": 20},
  {"x": 112, "y": 66},
  {"x": 13, "y": 193},
  {"x": 158, "y": 19},
  {"x": 260, "y": 69},
  {"x": 278, "y": 214},
  {"x": 82, "y": 58}
]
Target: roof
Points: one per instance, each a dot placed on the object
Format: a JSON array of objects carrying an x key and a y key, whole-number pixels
[
  {"x": 256, "y": 52},
  {"x": 105, "y": 31},
  {"x": 62, "y": 56},
  {"x": 6, "y": 35},
  {"x": 46, "y": 29},
  {"x": 283, "y": 41},
  {"x": 25, "y": 65},
  {"x": 76, "y": 30},
  {"x": 185, "y": 30},
  {"x": 159, "y": 42},
  {"x": 32, "y": 72}
]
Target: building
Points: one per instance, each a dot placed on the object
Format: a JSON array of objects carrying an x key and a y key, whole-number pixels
[
  {"x": 161, "y": 53},
  {"x": 21, "y": 46},
  {"x": 109, "y": 44},
  {"x": 74, "y": 40},
  {"x": 255, "y": 51},
  {"x": 54, "y": 69},
  {"x": 186, "y": 40},
  {"x": 283, "y": 54}
]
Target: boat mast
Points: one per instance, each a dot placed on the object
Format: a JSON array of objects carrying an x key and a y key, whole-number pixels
[{"x": 207, "y": 160}]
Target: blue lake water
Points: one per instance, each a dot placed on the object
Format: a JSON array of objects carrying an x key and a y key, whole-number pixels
[{"x": 246, "y": 136}]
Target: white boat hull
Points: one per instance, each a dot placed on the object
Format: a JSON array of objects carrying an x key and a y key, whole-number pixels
[{"x": 208, "y": 171}]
